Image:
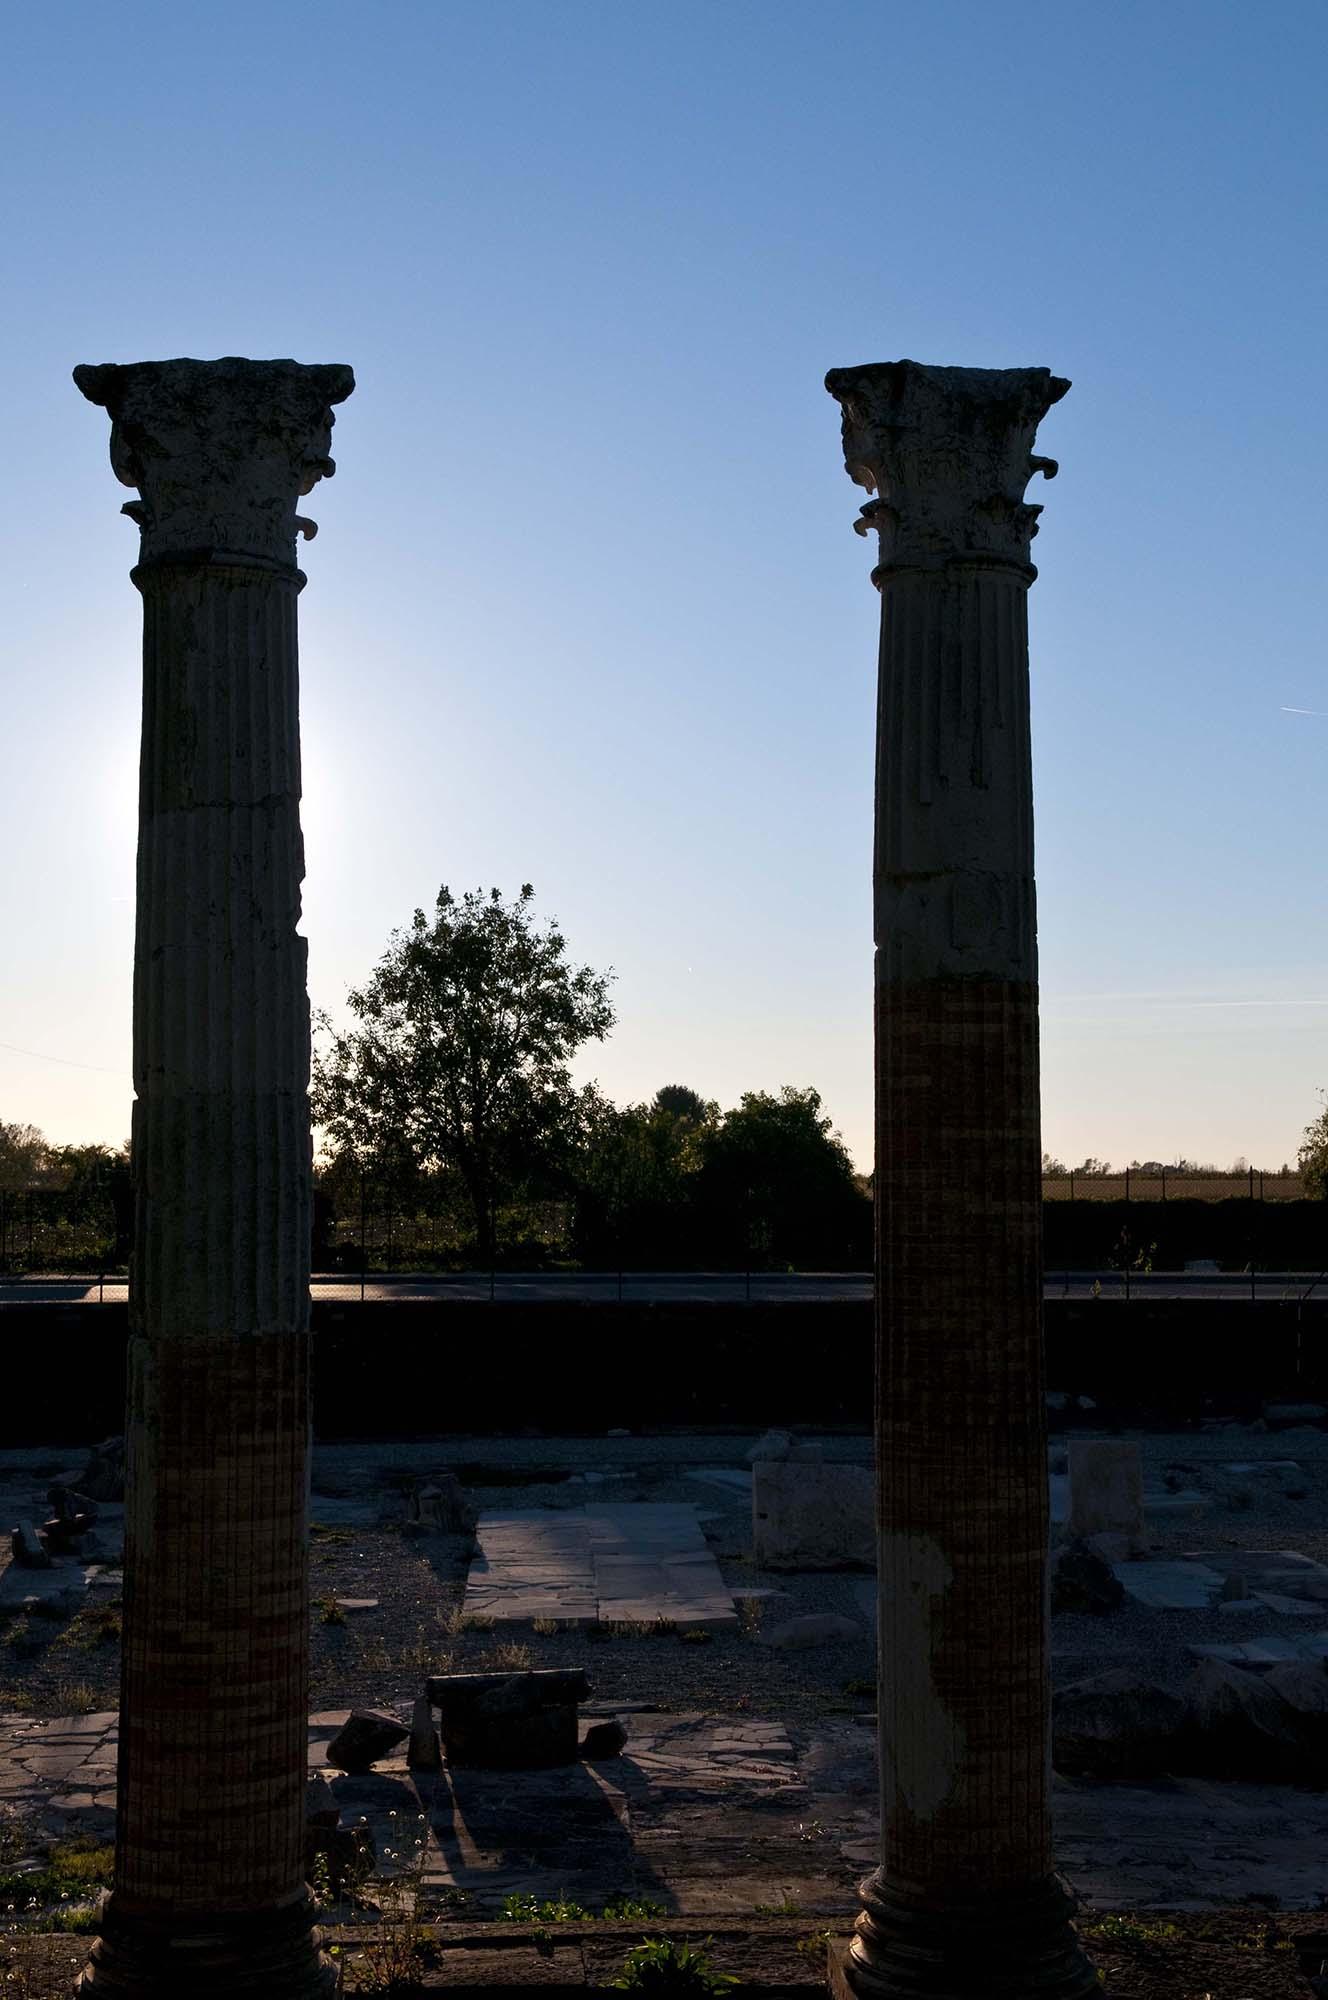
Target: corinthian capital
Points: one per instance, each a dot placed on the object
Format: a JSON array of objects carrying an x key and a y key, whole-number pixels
[
  {"x": 220, "y": 451},
  {"x": 948, "y": 452}
]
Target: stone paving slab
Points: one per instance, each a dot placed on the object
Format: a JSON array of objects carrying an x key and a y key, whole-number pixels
[
  {"x": 1192, "y": 1582},
  {"x": 712, "y": 1816},
  {"x": 637, "y": 1562},
  {"x": 1266, "y": 1652}
]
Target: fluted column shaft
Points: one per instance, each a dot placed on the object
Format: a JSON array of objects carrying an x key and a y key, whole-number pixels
[
  {"x": 209, "y": 1894},
  {"x": 965, "y": 1902}
]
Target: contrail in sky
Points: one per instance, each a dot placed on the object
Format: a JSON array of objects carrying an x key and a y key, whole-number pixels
[{"x": 1305, "y": 711}]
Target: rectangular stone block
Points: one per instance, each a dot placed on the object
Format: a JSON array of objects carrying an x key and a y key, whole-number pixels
[
  {"x": 808, "y": 1516},
  {"x": 1106, "y": 1488}
]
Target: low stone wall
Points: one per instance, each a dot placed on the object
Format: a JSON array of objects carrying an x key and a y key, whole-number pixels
[{"x": 405, "y": 1368}]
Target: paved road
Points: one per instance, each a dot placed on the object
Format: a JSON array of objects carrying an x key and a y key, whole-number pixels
[{"x": 659, "y": 1287}]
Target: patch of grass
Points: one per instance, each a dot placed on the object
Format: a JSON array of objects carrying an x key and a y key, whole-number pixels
[
  {"x": 522, "y": 1908},
  {"x": 322, "y": 1533},
  {"x": 424, "y": 1655},
  {"x": 82, "y": 1858},
  {"x": 546, "y": 1627},
  {"x": 330, "y": 1612},
  {"x": 867, "y": 1689},
  {"x": 74, "y": 1698},
  {"x": 511, "y": 1657},
  {"x": 1128, "y": 1930},
  {"x": 695, "y": 1635},
  {"x": 669, "y": 1968},
  {"x": 788, "y": 1906},
  {"x": 814, "y": 1945},
  {"x": 623, "y": 1908}
]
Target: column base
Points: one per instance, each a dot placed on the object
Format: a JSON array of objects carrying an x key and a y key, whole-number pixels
[
  {"x": 276, "y": 1953},
  {"x": 1020, "y": 1946}
]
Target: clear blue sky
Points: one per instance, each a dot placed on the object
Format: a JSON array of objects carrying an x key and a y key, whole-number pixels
[{"x": 586, "y": 608}]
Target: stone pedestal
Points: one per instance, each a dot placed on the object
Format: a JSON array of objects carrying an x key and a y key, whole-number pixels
[
  {"x": 966, "y": 1901},
  {"x": 1107, "y": 1489},
  {"x": 209, "y": 1893}
]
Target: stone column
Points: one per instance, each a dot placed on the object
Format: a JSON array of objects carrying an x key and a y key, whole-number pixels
[
  {"x": 209, "y": 1895},
  {"x": 965, "y": 1902}
]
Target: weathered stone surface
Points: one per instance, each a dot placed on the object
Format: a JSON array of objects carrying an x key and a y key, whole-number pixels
[
  {"x": 369, "y": 1734},
  {"x": 320, "y": 1801},
  {"x": 1116, "y": 1725},
  {"x": 67, "y": 1504},
  {"x": 1303, "y": 1686},
  {"x": 604, "y": 1739},
  {"x": 1279, "y": 1416},
  {"x": 509, "y": 1722},
  {"x": 441, "y": 1506},
  {"x": 27, "y": 1548},
  {"x": 818, "y": 1628},
  {"x": 424, "y": 1752},
  {"x": 103, "y": 1477},
  {"x": 1239, "y": 1727},
  {"x": 809, "y": 1516},
  {"x": 1083, "y": 1580},
  {"x": 774, "y": 1445},
  {"x": 219, "y": 1348},
  {"x": 1106, "y": 1488}
]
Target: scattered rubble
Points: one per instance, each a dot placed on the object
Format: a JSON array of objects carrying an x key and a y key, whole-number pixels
[
  {"x": 1116, "y": 1725},
  {"x": 368, "y": 1734},
  {"x": 1083, "y": 1580}
]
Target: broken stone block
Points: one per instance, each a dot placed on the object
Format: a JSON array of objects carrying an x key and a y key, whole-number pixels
[
  {"x": 604, "y": 1739},
  {"x": 441, "y": 1507},
  {"x": 1116, "y": 1725},
  {"x": 69, "y": 1505},
  {"x": 1106, "y": 1488},
  {"x": 368, "y": 1734},
  {"x": 824, "y": 1628},
  {"x": 320, "y": 1801},
  {"x": 1083, "y": 1580},
  {"x": 1303, "y": 1686},
  {"x": 424, "y": 1752},
  {"x": 103, "y": 1477},
  {"x": 810, "y": 1516},
  {"x": 26, "y": 1547},
  {"x": 509, "y": 1722},
  {"x": 1239, "y": 1727}
]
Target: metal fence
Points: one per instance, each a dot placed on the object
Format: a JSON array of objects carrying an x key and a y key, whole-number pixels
[
  {"x": 1164, "y": 1184},
  {"x": 41, "y": 1230}
]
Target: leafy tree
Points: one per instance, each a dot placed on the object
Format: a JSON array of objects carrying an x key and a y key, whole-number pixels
[
  {"x": 26, "y": 1159},
  {"x": 776, "y": 1172},
  {"x": 460, "y": 1057},
  {"x": 1312, "y": 1158},
  {"x": 635, "y": 1177}
]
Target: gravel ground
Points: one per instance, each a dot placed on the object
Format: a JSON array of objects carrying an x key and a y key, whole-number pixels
[{"x": 383, "y": 1654}]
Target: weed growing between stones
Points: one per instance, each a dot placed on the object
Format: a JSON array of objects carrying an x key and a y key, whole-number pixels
[
  {"x": 521, "y": 1908},
  {"x": 625, "y": 1908},
  {"x": 330, "y": 1612},
  {"x": 74, "y": 1698},
  {"x": 695, "y": 1635},
  {"x": 513, "y": 1658},
  {"x": 814, "y": 1945},
  {"x": 788, "y": 1906},
  {"x": 668, "y": 1968},
  {"x": 393, "y": 1960}
]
